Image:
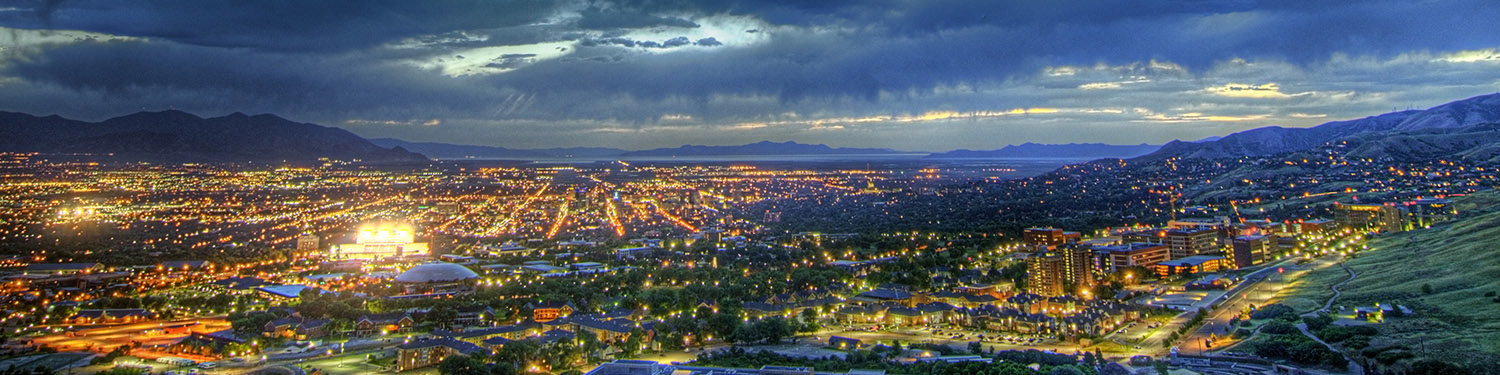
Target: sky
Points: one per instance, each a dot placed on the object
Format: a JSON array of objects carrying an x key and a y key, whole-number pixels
[{"x": 921, "y": 75}]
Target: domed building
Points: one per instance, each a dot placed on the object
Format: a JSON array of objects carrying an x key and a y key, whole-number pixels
[{"x": 437, "y": 278}]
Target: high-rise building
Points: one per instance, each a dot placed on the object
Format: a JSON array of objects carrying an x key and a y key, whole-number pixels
[
  {"x": 1044, "y": 274},
  {"x": 1078, "y": 264},
  {"x": 1374, "y": 217},
  {"x": 1188, "y": 242},
  {"x": 308, "y": 243},
  {"x": 1251, "y": 250}
]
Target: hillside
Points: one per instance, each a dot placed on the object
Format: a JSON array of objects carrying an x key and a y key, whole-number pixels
[
  {"x": 175, "y": 136},
  {"x": 1276, "y": 140},
  {"x": 1447, "y": 273}
]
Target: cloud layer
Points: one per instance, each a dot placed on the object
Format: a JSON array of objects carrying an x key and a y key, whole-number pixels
[{"x": 919, "y": 75}]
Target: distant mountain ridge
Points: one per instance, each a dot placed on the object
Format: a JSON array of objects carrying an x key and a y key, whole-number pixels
[
  {"x": 1070, "y": 150},
  {"x": 1273, "y": 140},
  {"x": 759, "y": 148},
  {"x": 763, "y": 148},
  {"x": 176, "y": 136},
  {"x": 455, "y": 151}
]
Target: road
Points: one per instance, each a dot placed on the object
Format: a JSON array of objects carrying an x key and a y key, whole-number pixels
[
  {"x": 1259, "y": 288},
  {"x": 1336, "y": 292}
]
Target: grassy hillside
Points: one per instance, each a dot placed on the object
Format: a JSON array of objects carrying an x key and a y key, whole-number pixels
[{"x": 1443, "y": 272}]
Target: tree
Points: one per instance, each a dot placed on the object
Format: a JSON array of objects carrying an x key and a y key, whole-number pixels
[
  {"x": 518, "y": 353},
  {"x": 462, "y": 365},
  {"x": 632, "y": 345},
  {"x": 1436, "y": 367},
  {"x": 1161, "y": 367},
  {"x": 1065, "y": 370},
  {"x": 441, "y": 316}
]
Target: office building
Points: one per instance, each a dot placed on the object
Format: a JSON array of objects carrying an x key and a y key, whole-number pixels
[
  {"x": 1371, "y": 217},
  {"x": 1136, "y": 254},
  {"x": 1251, "y": 250},
  {"x": 1191, "y": 241}
]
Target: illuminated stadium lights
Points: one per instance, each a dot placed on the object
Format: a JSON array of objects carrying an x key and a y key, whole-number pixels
[{"x": 379, "y": 240}]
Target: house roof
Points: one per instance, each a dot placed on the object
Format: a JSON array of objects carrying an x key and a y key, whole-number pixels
[
  {"x": 886, "y": 294},
  {"x": 436, "y": 272},
  {"x": 113, "y": 313},
  {"x": 63, "y": 266},
  {"x": 287, "y": 291},
  {"x": 179, "y": 264},
  {"x": 457, "y": 345}
]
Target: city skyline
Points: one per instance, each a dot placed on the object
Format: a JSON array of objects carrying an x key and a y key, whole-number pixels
[{"x": 917, "y": 76}]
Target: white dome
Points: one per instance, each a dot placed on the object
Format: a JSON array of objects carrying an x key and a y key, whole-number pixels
[{"x": 436, "y": 272}]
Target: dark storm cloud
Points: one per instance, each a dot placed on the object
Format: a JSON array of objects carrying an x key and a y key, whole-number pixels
[
  {"x": 219, "y": 80},
  {"x": 723, "y": 62},
  {"x": 325, "y": 25}
]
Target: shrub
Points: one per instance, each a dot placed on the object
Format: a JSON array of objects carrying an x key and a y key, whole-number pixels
[
  {"x": 1279, "y": 327},
  {"x": 1318, "y": 322},
  {"x": 1240, "y": 334},
  {"x": 1273, "y": 311}
]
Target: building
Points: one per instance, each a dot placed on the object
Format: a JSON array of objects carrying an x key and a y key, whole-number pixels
[
  {"x": 1050, "y": 237},
  {"x": 110, "y": 316},
  {"x": 1314, "y": 227},
  {"x": 396, "y": 322},
  {"x": 1371, "y": 217},
  {"x": 57, "y": 269},
  {"x": 1136, "y": 254},
  {"x": 309, "y": 243},
  {"x": 281, "y": 292},
  {"x": 430, "y": 352},
  {"x": 1192, "y": 265},
  {"x": 1148, "y": 235},
  {"x": 543, "y": 312},
  {"x": 1425, "y": 212},
  {"x": 1251, "y": 250},
  {"x": 448, "y": 208},
  {"x": 437, "y": 278},
  {"x": 1078, "y": 264},
  {"x": 1191, "y": 241},
  {"x": 380, "y": 240},
  {"x": 1044, "y": 274}
]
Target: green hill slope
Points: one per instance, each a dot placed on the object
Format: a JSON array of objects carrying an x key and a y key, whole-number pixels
[{"x": 1449, "y": 274}]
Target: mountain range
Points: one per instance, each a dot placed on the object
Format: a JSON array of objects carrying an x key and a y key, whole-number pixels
[
  {"x": 1437, "y": 130},
  {"x": 453, "y": 151},
  {"x": 759, "y": 148},
  {"x": 176, "y": 136},
  {"x": 1071, "y": 150},
  {"x": 1465, "y": 128}
]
